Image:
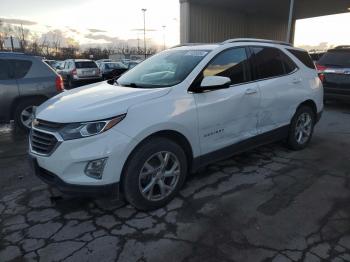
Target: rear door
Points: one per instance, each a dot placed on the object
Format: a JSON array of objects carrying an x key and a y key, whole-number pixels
[
  {"x": 8, "y": 89},
  {"x": 279, "y": 81}
]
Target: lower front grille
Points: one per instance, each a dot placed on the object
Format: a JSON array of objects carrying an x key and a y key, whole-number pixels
[{"x": 42, "y": 143}]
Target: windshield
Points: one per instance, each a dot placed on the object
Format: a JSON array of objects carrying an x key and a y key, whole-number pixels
[
  {"x": 166, "y": 69},
  {"x": 336, "y": 58}
]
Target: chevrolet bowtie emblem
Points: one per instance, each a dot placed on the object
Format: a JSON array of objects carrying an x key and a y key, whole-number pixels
[{"x": 35, "y": 122}]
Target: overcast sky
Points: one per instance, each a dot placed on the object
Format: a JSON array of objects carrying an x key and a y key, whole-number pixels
[{"x": 89, "y": 20}]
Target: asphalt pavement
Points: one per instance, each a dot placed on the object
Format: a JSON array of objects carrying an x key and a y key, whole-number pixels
[{"x": 268, "y": 204}]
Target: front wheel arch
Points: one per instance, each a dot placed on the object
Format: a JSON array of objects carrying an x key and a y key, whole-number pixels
[{"x": 172, "y": 135}]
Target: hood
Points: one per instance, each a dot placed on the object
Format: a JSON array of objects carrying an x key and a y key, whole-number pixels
[{"x": 94, "y": 102}]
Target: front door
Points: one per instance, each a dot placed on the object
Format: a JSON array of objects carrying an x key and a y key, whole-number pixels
[{"x": 228, "y": 116}]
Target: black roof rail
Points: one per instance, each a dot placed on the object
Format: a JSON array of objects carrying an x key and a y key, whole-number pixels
[
  {"x": 342, "y": 47},
  {"x": 266, "y": 41},
  {"x": 11, "y": 53}
]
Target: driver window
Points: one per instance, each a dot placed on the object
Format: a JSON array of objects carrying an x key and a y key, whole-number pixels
[{"x": 232, "y": 63}]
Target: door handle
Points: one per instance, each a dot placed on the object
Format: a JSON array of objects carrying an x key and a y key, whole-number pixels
[{"x": 251, "y": 91}]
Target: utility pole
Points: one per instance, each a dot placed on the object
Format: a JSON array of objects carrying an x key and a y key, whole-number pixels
[
  {"x": 12, "y": 48},
  {"x": 144, "y": 31},
  {"x": 164, "y": 36}
]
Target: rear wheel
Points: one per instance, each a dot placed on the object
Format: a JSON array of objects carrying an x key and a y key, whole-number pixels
[
  {"x": 301, "y": 128},
  {"x": 154, "y": 174},
  {"x": 23, "y": 114}
]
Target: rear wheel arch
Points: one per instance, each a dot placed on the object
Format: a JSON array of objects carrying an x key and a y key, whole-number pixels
[{"x": 309, "y": 103}]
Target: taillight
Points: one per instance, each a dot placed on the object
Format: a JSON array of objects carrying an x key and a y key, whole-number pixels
[
  {"x": 98, "y": 72},
  {"x": 322, "y": 77},
  {"x": 74, "y": 72},
  {"x": 320, "y": 71},
  {"x": 321, "y": 68},
  {"x": 59, "y": 84}
]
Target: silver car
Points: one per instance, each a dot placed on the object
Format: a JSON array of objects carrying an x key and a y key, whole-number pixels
[
  {"x": 25, "y": 82},
  {"x": 77, "y": 72}
]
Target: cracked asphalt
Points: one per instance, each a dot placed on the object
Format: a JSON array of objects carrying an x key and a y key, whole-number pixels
[{"x": 269, "y": 204}]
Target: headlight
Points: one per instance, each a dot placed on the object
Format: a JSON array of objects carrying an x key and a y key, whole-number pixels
[{"x": 86, "y": 129}]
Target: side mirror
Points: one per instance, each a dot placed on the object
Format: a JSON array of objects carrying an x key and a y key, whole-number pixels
[{"x": 215, "y": 83}]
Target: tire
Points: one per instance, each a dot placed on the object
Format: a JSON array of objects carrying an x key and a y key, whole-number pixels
[
  {"x": 299, "y": 126},
  {"x": 138, "y": 176},
  {"x": 21, "y": 110},
  {"x": 71, "y": 84}
]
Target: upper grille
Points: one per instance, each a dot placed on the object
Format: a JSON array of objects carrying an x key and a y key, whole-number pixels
[
  {"x": 42, "y": 143},
  {"x": 46, "y": 125}
]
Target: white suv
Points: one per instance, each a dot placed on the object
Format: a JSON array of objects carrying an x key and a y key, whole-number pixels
[{"x": 175, "y": 112}]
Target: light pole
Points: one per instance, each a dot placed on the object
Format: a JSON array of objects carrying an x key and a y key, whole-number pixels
[
  {"x": 144, "y": 30},
  {"x": 164, "y": 36}
]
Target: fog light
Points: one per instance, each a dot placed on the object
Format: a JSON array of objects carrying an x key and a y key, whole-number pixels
[{"x": 95, "y": 168}]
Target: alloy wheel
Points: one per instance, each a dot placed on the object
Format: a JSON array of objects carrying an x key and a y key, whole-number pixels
[
  {"x": 159, "y": 176},
  {"x": 303, "y": 128},
  {"x": 27, "y": 116}
]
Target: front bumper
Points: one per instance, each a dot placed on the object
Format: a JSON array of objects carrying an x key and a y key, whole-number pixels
[
  {"x": 64, "y": 167},
  {"x": 81, "y": 190},
  {"x": 337, "y": 93}
]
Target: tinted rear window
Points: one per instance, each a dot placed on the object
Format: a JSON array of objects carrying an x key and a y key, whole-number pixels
[
  {"x": 20, "y": 67},
  {"x": 85, "y": 64},
  {"x": 304, "y": 57},
  {"x": 271, "y": 62},
  {"x": 337, "y": 58}
]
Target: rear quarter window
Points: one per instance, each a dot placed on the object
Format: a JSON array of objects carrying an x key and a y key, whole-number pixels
[
  {"x": 303, "y": 57},
  {"x": 20, "y": 67},
  {"x": 4, "y": 74}
]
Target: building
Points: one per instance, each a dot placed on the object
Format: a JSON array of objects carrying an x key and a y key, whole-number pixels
[{"x": 217, "y": 20}]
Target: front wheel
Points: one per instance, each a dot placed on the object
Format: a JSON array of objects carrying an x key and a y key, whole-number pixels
[
  {"x": 23, "y": 114},
  {"x": 154, "y": 174},
  {"x": 301, "y": 128}
]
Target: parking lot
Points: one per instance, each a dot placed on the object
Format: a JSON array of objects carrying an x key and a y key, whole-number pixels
[{"x": 269, "y": 204}]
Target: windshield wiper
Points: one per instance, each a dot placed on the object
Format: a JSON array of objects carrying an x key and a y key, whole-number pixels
[{"x": 131, "y": 85}]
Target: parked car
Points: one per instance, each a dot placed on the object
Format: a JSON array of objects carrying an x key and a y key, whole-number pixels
[
  {"x": 112, "y": 70},
  {"x": 76, "y": 72},
  {"x": 334, "y": 70},
  {"x": 132, "y": 64},
  {"x": 315, "y": 56},
  {"x": 98, "y": 62},
  {"x": 25, "y": 82},
  {"x": 177, "y": 111},
  {"x": 51, "y": 63},
  {"x": 59, "y": 65}
]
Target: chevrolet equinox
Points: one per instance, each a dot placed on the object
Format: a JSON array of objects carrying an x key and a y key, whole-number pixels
[{"x": 175, "y": 112}]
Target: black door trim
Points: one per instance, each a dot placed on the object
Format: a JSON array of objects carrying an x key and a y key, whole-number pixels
[{"x": 240, "y": 147}]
